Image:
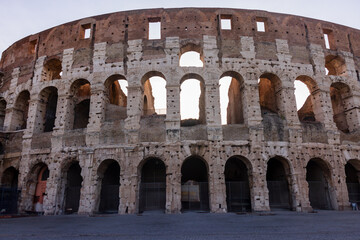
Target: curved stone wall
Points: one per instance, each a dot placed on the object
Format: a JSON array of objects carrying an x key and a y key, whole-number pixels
[{"x": 62, "y": 108}]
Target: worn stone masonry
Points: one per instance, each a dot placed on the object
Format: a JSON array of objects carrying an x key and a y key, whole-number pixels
[{"x": 73, "y": 141}]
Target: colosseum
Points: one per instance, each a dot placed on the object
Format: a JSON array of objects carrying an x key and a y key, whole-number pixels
[{"x": 80, "y": 132}]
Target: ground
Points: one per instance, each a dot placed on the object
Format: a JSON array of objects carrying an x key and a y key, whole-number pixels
[{"x": 275, "y": 225}]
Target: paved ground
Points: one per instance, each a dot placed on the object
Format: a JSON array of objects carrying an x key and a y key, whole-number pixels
[{"x": 277, "y": 225}]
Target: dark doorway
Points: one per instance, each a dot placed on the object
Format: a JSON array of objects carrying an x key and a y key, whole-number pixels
[
  {"x": 278, "y": 186},
  {"x": 73, "y": 187},
  {"x": 8, "y": 191},
  {"x": 153, "y": 185},
  {"x": 353, "y": 183},
  {"x": 40, "y": 190},
  {"x": 319, "y": 195},
  {"x": 81, "y": 117},
  {"x": 50, "y": 114},
  {"x": 109, "y": 195},
  {"x": 194, "y": 185},
  {"x": 237, "y": 186}
]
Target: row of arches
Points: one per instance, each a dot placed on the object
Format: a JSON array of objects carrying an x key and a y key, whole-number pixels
[
  {"x": 273, "y": 100},
  {"x": 195, "y": 193}
]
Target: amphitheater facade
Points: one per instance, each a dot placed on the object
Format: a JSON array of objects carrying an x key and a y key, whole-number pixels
[{"x": 73, "y": 141}]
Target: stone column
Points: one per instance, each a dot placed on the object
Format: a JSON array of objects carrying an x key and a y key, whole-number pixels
[
  {"x": 96, "y": 114},
  {"x": 8, "y": 121},
  {"x": 88, "y": 186},
  {"x": 212, "y": 110},
  {"x": 172, "y": 120},
  {"x": 134, "y": 111},
  {"x": 173, "y": 185},
  {"x": 258, "y": 184}
]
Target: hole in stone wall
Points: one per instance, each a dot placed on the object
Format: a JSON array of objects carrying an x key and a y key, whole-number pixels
[
  {"x": 335, "y": 65},
  {"x": 46, "y": 111},
  {"x": 192, "y": 102},
  {"x": 116, "y": 108},
  {"x": 109, "y": 173},
  {"x": 329, "y": 40},
  {"x": 73, "y": 188},
  {"x": 269, "y": 93},
  {"x": 340, "y": 95},
  {"x": 261, "y": 24},
  {"x": 52, "y": 70},
  {"x": 155, "y": 96},
  {"x": 85, "y": 31},
  {"x": 225, "y": 22},
  {"x": 154, "y": 28},
  {"x": 81, "y": 98},
  {"x": 32, "y": 46},
  {"x": 231, "y": 98},
  {"x": 191, "y": 56}
]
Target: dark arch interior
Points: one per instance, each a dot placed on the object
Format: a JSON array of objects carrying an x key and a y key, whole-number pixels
[
  {"x": 73, "y": 187},
  {"x": 81, "y": 114},
  {"x": 353, "y": 183},
  {"x": 194, "y": 185},
  {"x": 10, "y": 178},
  {"x": 109, "y": 196},
  {"x": 277, "y": 183},
  {"x": 319, "y": 195},
  {"x": 50, "y": 113},
  {"x": 153, "y": 185},
  {"x": 237, "y": 186}
]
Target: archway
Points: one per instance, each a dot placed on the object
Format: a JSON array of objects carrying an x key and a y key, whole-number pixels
[
  {"x": 153, "y": 185},
  {"x": 116, "y": 91},
  {"x": 73, "y": 188},
  {"x": 194, "y": 185},
  {"x": 237, "y": 185},
  {"x": 154, "y": 95},
  {"x": 2, "y": 113},
  {"x": 40, "y": 190},
  {"x": 20, "y": 111},
  {"x": 278, "y": 185},
  {"x": 81, "y": 93},
  {"x": 52, "y": 70},
  {"x": 10, "y": 178},
  {"x": 317, "y": 176},
  {"x": 109, "y": 173},
  {"x": 352, "y": 171},
  {"x": 9, "y": 191},
  {"x": 340, "y": 101},
  {"x": 46, "y": 111},
  {"x": 231, "y": 98}
]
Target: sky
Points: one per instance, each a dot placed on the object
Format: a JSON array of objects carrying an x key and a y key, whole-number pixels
[{"x": 21, "y": 18}]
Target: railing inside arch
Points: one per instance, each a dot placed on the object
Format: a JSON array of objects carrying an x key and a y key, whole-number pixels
[
  {"x": 8, "y": 200},
  {"x": 152, "y": 196},
  {"x": 278, "y": 194},
  {"x": 195, "y": 196},
  {"x": 354, "y": 192},
  {"x": 238, "y": 196}
]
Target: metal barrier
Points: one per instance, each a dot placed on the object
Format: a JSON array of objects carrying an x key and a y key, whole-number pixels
[
  {"x": 152, "y": 196},
  {"x": 238, "y": 196},
  {"x": 319, "y": 195},
  {"x": 278, "y": 194},
  {"x": 109, "y": 202},
  {"x": 195, "y": 197},
  {"x": 8, "y": 200},
  {"x": 354, "y": 192}
]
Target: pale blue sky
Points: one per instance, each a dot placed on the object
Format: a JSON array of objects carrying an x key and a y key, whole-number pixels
[{"x": 20, "y": 18}]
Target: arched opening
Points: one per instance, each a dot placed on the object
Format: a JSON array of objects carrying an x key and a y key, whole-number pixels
[
  {"x": 340, "y": 96},
  {"x": 116, "y": 86},
  {"x": 278, "y": 185},
  {"x": 269, "y": 93},
  {"x": 52, "y": 70},
  {"x": 237, "y": 185},
  {"x": 40, "y": 190},
  {"x": 10, "y": 178},
  {"x": 154, "y": 85},
  {"x": 73, "y": 188},
  {"x": 192, "y": 100},
  {"x": 194, "y": 185},
  {"x": 153, "y": 186},
  {"x": 46, "y": 111},
  {"x": 109, "y": 174},
  {"x": 20, "y": 111},
  {"x": 2, "y": 113},
  {"x": 317, "y": 176},
  {"x": 231, "y": 98},
  {"x": 9, "y": 191},
  {"x": 81, "y": 99},
  {"x": 352, "y": 171},
  {"x": 191, "y": 56},
  {"x": 305, "y": 98},
  {"x": 335, "y": 65}
]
